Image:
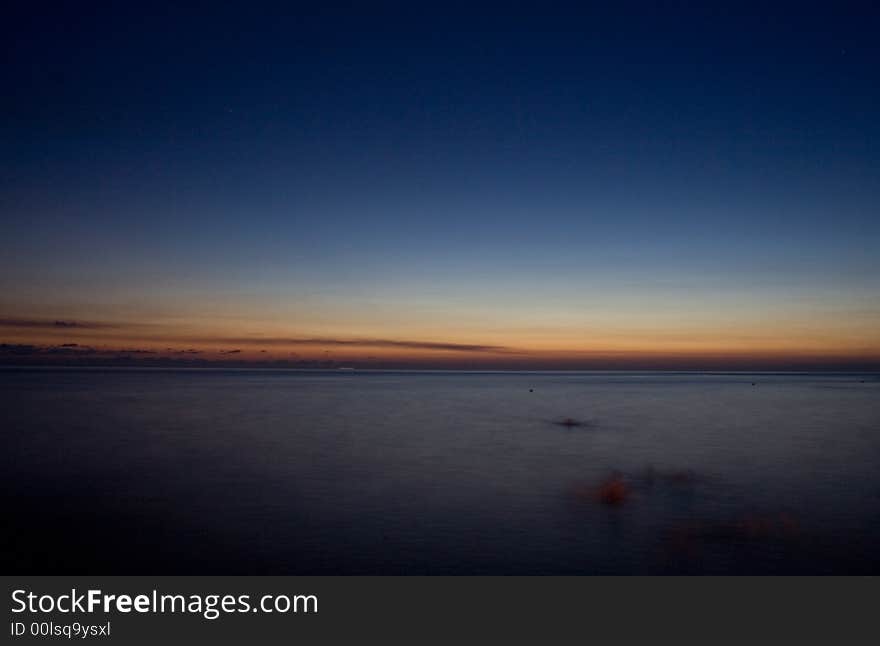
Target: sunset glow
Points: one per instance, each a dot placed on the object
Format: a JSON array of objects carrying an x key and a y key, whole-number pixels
[{"x": 304, "y": 209}]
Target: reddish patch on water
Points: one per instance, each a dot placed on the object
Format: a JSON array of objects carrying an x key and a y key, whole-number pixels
[{"x": 613, "y": 492}]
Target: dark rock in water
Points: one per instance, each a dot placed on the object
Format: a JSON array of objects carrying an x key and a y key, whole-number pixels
[
  {"x": 531, "y": 390},
  {"x": 570, "y": 422}
]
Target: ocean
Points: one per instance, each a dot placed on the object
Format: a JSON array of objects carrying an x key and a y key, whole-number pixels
[{"x": 153, "y": 471}]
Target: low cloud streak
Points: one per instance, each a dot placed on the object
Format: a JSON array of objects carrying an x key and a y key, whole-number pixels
[
  {"x": 52, "y": 324},
  {"x": 369, "y": 343}
]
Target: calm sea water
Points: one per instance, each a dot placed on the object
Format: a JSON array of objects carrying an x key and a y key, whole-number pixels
[{"x": 217, "y": 471}]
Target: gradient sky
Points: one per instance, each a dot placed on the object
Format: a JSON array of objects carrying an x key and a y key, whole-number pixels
[{"x": 455, "y": 187}]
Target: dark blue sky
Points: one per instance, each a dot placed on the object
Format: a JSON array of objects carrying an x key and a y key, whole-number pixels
[{"x": 511, "y": 167}]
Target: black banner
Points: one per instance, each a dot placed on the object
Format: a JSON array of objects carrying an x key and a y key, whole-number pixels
[{"x": 150, "y": 610}]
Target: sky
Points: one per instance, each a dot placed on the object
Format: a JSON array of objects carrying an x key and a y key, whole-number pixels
[{"x": 653, "y": 185}]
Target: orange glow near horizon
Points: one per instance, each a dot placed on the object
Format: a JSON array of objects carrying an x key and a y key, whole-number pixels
[{"x": 564, "y": 347}]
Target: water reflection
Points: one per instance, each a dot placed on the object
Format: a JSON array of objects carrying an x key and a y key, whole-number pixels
[{"x": 259, "y": 472}]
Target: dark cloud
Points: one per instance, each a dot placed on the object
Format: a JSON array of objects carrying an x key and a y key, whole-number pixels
[
  {"x": 17, "y": 348},
  {"x": 54, "y": 324},
  {"x": 70, "y": 348},
  {"x": 33, "y": 323},
  {"x": 29, "y": 349},
  {"x": 372, "y": 343}
]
